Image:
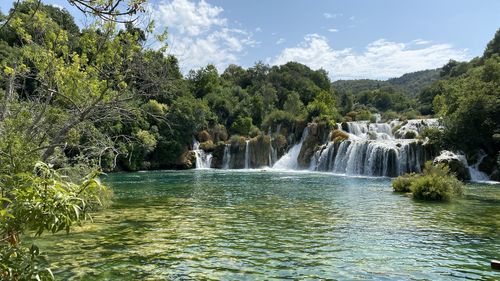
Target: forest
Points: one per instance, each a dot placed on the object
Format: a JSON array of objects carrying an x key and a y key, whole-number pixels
[
  {"x": 146, "y": 117},
  {"x": 75, "y": 102}
]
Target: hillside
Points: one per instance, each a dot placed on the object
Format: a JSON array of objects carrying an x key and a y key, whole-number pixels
[{"x": 409, "y": 84}]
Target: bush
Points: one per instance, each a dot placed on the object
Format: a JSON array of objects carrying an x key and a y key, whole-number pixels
[
  {"x": 402, "y": 183},
  {"x": 442, "y": 188},
  {"x": 279, "y": 117},
  {"x": 363, "y": 115},
  {"x": 254, "y": 131},
  {"x": 411, "y": 114},
  {"x": 436, "y": 183},
  {"x": 410, "y": 135},
  {"x": 389, "y": 115},
  {"x": 242, "y": 125}
]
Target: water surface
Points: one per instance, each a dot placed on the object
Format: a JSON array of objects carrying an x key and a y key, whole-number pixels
[{"x": 227, "y": 225}]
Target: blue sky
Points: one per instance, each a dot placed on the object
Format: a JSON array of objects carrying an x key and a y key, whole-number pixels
[{"x": 349, "y": 39}]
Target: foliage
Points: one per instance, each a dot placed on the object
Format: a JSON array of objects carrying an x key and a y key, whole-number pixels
[
  {"x": 242, "y": 126},
  {"x": 42, "y": 201},
  {"x": 436, "y": 183},
  {"x": 402, "y": 183}
]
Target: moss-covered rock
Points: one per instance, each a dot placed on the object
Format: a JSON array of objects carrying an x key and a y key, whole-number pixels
[
  {"x": 187, "y": 160},
  {"x": 338, "y": 135},
  {"x": 204, "y": 136},
  {"x": 207, "y": 146},
  {"x": 218, "y": 133},
  {"x": 280, "y": 144},
  {"x": 259, "y": 151},
  {"x": 237, "y": 149},
  {"x": 218, "y": 155},
  {"x": 317, "y": 135}
]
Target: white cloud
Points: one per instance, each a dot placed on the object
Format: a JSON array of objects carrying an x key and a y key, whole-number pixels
[
  {"x": 258, "y": 29},
  {"x": 280, "y": 41},
  {"x": 421, "y": 42},
  {"x": 200, "y": 35},
  {"x": 380, "y": 59},
  {"x": 333, "y": 30},
  {"x": 331, "y": 16},
  {"x": 352, "y": 18}
]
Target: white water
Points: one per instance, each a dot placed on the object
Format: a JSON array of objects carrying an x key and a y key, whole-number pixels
[
  {"x": 247, "y": 155},
  {"x": 226, "y": 159},
  {"x": 371, "y": 150},
  {"x": 203, "y": 160},
  {"x": 475, "y": 174},
  {"x": 289, "y": 160}
]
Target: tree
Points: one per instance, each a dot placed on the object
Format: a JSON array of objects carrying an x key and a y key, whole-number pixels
[
  {"x": 493, "y": 46},
  {"x": 66, "y": 92},
  {"x": 204, "y": 80},
  {"x": 293, "y": 104}
]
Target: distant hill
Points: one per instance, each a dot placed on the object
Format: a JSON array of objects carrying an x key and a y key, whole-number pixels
[{"x": 410, "y": 83}]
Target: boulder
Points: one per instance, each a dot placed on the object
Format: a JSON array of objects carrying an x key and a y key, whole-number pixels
[
  {"x": 312, "y": 142},
  {"x": 187, "y": 160},
  {"x": 204, "y": 136},
  {"x": 338, "y": 135},
  {"x": 207, "y": 146},
  {"x": 456, "y": 162}
]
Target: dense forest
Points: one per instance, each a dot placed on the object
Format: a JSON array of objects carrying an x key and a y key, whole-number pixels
[
  {"x": 98, "y": 98},
  {"x": 109, "y": 100}
]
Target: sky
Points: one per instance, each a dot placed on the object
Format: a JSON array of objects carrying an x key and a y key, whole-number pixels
[{"x": 349, "y": 39}]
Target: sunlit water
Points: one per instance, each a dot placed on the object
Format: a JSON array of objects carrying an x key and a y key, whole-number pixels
[{"x": 227, "y": 225}]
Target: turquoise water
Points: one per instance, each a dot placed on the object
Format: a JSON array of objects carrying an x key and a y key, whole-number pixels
[{"x": 227, "y": 225}]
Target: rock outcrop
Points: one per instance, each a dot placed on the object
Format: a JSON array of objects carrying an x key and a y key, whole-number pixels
[{"x": 456, "y": 162}]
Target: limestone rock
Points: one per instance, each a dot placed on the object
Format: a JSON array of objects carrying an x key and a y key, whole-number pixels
[{"x": 456, "y": 162}]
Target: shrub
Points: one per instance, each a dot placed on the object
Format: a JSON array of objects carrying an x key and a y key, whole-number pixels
[
  {"x": 242, "y": 125},
  {"x": 435, "y": 183},
  {"x": 411, "y": 114},
  {"x": 390, "y": 115},
  {"x": 430, "y": 187},
  {"x": 279, "y": 117},
  {"x": 410, "y": 135},
  {"x": 402, "y": 183},
  {"x": 363, "y": 115},
  {"x": 254, "y": 131}
]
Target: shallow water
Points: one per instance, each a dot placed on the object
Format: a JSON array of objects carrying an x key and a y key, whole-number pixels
[{"x": 213, "y": 225}]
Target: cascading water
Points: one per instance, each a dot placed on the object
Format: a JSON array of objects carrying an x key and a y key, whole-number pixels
[
  {"x": 475, "y": 174},
  {"x": 273, "y": 155},
  {"x": 203, "y": 160},
  {"x": 370, "y": 150},
  {"x": 226, "y": 158},
  {"x": 247, "y": 155},
  {"x": 289, "y": 160}
]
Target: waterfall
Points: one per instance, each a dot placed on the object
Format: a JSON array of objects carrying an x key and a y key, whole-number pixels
[
  {"x": 203, "y": 160},
  {"x": 475, "y": 174},
  {"x": 289, "y": 160},
  {"x": 371, "y": 149},
  {"x": 226, "y": 158},
  {"x": 247, "y": 155}
]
